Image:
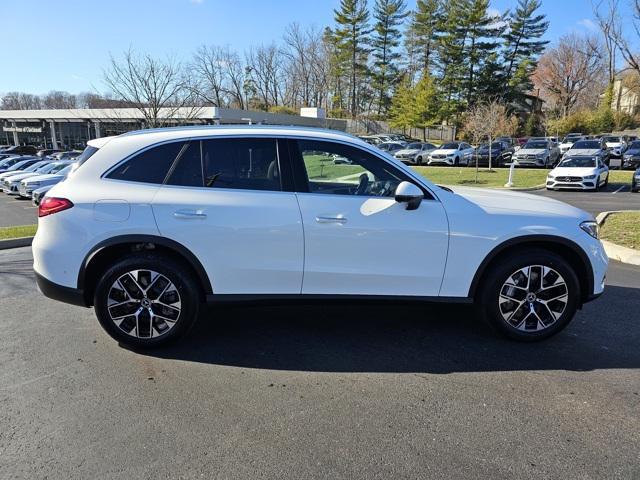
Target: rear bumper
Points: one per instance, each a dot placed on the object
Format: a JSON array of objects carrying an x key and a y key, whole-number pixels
[{"x": 73, "y": 296}]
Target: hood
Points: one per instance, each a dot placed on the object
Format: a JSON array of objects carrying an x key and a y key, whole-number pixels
[
  {"x": 505, "y": 202},
  {"x": 585, "y": 152},
  {"x": 10, "y": 173},
  {"x": 45, "y": 178},
  {"x": 572, "y": 171},
  {"x": 20, "y": 176},
  {"x": 613, "y": 144},
  {"x": 408, "y": 151},
  {"x": 531, "y": 151},
  {"x": 633, "y": 151},
  {"x": 441, "y": 151}
]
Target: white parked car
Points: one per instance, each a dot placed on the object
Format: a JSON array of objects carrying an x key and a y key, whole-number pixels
[
  {"x": 11, "y": 182},
  {"x": 56, "y": 173},
  {"x": 154, "y": 223},
  {"x": 617, "y": 145},
  {"x": 452, "y": 153},
  {"x": 579, "y": 173}
]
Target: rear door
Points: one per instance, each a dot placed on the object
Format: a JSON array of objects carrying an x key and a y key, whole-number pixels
[
  {"x": 358, "y": 239},
  {"x": 225, "y": 200}
]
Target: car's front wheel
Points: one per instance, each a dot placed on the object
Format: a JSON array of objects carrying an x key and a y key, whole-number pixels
[
  {"x": 530, "y": 295},
  {"x": 146, "y": 300}
]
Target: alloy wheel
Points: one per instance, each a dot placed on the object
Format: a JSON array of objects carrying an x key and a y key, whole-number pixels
[
  {"x": 533, "y": 298},
  {"x": 144, "y": 304}
]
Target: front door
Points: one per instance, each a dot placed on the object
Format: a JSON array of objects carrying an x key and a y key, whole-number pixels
[
  {"x": 358, "y": 239},
  {"x": 224, "y": 201}
]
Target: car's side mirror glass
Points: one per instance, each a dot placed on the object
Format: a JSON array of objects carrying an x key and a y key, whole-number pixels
[{"x": 408, "y": 193}]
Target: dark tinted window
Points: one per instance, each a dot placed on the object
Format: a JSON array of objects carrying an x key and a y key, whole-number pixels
[
  {"x": 188, "y": 170},
  {"x": 243, "y": 163},
  {"x": 150, "y": 166},
  {"x": 586, "y": 144}
]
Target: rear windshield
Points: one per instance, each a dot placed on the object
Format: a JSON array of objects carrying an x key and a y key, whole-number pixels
[{"x": 85, "y": 155}]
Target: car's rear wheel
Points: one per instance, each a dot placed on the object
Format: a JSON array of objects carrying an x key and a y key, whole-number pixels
[
  {"x": 146, "y": 300},
  {"x": 530, "y": 296}
]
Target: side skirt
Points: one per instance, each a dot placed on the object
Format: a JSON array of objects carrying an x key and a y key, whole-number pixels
[{"x": 284, "y": 298}]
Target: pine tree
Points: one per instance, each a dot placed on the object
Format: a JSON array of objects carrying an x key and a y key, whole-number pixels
[
  {"x": 425, "y": 103},
  {"x": 422, "y": 35},
  {"x": 351, "y": 36},
  {"x": 389, "y": 15},
  {"x": 402, "y": 113},
  {"x": 522, "y": 47},
  {"x": 484, "y": 31}
]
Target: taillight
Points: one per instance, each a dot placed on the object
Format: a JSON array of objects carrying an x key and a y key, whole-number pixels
[{"x": 51, "y": 205}]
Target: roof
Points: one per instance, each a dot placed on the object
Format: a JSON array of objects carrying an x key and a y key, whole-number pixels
[{"x": 200, "y": 130}]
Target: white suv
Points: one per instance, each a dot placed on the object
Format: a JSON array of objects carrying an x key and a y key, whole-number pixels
[{"x": 154, "y": 223}]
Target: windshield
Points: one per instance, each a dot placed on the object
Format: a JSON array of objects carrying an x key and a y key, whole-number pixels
[
  {"x": 494, "y": 146},
  {"x": 19, "y": 165},
  {"x": 569, "y": 139},
  {"x": 578, "y": 162},
  {"x": 57, "y": 167},
  {"x": 587, "y": 144},
  {"x": 635, "y": 145},
  {"x": 66, "y": 170},
  {"x": 535, "y": 145},
  {"x": 414, "y": 146},
  {"x": 612, "y": 139},
  {"x": 450, "y": 146},
  {"x": 36, "y": 166}
]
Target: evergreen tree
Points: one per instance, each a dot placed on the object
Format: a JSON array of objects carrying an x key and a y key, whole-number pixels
[
  {"x": 389, "y": 15},
  {"x": 401, "y": 113},
  {"x": 422, "y": 35},
  {"x": 351, "y": 36},
  {"x": 522, "y": 47},
  {"x": 425, "y": 103},
  {"x": 483, "y": 35}
]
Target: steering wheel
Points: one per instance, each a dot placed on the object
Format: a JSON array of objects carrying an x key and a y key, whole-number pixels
[{"x": 363, "y": 184}]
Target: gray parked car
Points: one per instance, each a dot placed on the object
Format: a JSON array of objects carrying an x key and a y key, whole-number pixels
[
  {"x": 589, "y": 148},
  {"x": 537, "y": 153},
  {"x": 415, "y": 153}
]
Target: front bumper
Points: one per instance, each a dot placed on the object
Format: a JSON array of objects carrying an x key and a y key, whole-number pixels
[
  {"x": 538, "y": 162},
  {"x": 440, "y": 161},
  {"x": 25, "y": 191},
  {"x": 573, "y": 183},
  {"x": 73, "y": 296},
  {"x": 10, "y": 188},
  {"x": 633, "y": 162}
]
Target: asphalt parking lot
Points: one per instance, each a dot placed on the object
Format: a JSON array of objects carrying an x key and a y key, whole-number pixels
[
  {"x": 318, "y": 391},
  {"x": 15, "y": 211}
]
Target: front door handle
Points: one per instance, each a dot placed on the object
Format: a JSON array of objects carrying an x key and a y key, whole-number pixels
[
  {"x": 338, "y": 219},
  {"x": 190, "y": 214}
]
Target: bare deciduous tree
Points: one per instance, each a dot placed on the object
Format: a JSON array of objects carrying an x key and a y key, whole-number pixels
[
  {"x": 21, "y": 101},
  {"x": 154, "y": 86},
  {"x": 572, "y": 73}
]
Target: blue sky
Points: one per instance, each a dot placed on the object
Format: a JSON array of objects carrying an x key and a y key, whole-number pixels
[{"x": 64, "y": 44}]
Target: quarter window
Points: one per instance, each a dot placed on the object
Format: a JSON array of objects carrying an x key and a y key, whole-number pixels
[{"x": 150, "y": 166}]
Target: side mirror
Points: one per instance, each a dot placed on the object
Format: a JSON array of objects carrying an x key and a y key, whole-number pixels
[{"x": 410, "y": 194}]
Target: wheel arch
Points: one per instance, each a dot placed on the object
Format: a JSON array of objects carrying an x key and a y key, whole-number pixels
[
  {"x": 102, "y": 254},
  {"x": 566, "y": 248}
]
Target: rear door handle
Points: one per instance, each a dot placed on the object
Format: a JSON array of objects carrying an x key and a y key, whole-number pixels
[
  {"x": 324, "y": 219},
  {"x": 190, "y": 214}
]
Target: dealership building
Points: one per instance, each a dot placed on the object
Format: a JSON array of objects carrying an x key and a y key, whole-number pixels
[{"x": 73, "y": 128}]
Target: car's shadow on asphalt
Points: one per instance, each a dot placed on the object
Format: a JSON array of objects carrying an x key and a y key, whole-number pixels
[{"x": 396, "y": 337}]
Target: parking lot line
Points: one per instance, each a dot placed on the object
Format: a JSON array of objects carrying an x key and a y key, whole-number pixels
[{"x": 621, "y": 188}]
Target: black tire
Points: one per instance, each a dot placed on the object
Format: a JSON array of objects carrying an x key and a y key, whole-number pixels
[
  {"x": 419, "y": 160},
  {"x": 456, "y": 162},
  {"x": 606, "y": 182},
  {"x": 183, "y": 283},
  {"x": 494, "y": 284}
]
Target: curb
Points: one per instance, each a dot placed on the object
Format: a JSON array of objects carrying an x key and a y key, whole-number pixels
[
  {"x": 618, "y": 252},
  {"x": 16, "y": 243},
  {"x": 525, "y": 189}
]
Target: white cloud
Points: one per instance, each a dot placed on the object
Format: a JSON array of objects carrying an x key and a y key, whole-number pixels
[{"x": 588, "y": 24}]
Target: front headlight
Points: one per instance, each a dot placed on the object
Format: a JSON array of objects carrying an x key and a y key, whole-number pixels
[
  {"x": 589, "y": 177},
  {"x": 550, "y": 177},
  {"x": 591, "y": 227}
]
